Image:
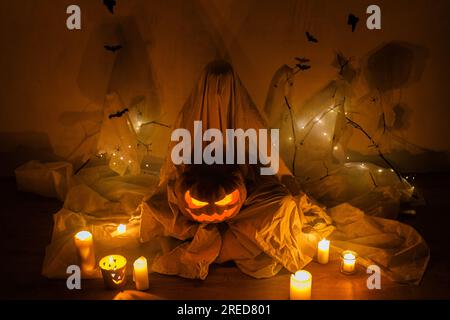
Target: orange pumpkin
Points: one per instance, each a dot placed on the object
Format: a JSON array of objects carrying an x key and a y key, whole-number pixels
[{"x": 210, "y": 193}]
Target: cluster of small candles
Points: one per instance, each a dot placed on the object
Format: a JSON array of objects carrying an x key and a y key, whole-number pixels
[
  {"x": 113, "y": 267},
  {"x": 301, "y": 281}
]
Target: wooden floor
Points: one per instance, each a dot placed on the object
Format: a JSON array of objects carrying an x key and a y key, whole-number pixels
[{"x": 26, "y": 224}]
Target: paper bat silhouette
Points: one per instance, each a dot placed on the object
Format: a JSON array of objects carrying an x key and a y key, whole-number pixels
[
  {"x": 118, "y": 114},
  {"x": 303, "y": 67},
  {"x": 110, "y": 4},
  {"x": 113, "y": 49},
  {"x": 311, "y": 38},
  {"x": 302, "y": 60},
  {"x": 352, "y": 20}
]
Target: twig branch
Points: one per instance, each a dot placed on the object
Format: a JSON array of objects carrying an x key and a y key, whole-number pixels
[
  {"x": 375, "y": 145},
  {"x": 373, "y": 179},
  {"x": 327, "y": 171},
  {"x": 82, "y": 166},
  {"x": 294, "y": 137},
  {"x": 315, "y": 120},
  {"x": 155, "y": 122}
]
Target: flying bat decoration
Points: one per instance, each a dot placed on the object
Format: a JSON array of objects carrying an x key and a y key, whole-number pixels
[
  {"x": 352, "y": 20},
  {"x": 113, "y": 49},
  {"x": 302, "y": 60},
  {"x": 302, "y": 67},
  {"x": 118, "y": 114},
  {"x": 110, "y": 4},
  {"x": 310, "y": 37},
  {"x": 302, "y": 64}
]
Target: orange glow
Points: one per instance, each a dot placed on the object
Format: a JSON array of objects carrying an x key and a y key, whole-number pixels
[
  {"x": 229, "y": 199},
  {"x": 83, "y": 235},
  {"x": 121, "y": 228},
  {"x": 204, "y": 218},
  {"x": 192, "y": 202}
]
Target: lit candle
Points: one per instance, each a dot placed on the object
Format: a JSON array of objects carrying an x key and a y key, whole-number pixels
[
  {"x": 301, "y": 285},
  {"x": 113, "y": 270},
  {"x": 323, "y": 251},
  {"x": 348, "y": 264},
  {"x": 140, "y": 273},
  {"x": 121, "y": 229},
  {"x": 85, "y": 250}
]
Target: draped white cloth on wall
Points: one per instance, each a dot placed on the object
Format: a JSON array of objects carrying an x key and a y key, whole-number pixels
[{"x": 277, "y": 226}]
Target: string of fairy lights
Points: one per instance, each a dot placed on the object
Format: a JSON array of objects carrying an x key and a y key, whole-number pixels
[
  {"x": 120, "y": 158},
  {"x": 301, "y": 131}
]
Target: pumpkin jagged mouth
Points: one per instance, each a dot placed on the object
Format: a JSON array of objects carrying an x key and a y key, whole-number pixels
[{"x": 215, "y": 217}]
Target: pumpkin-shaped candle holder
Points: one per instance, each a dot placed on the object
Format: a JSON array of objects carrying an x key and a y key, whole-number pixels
[{"x": 113, "y": 271}]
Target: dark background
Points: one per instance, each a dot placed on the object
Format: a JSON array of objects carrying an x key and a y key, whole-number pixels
[{"x": 53, "y": 81}]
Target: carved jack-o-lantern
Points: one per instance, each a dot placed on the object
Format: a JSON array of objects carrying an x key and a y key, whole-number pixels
[
  {"x": 113, "y": 270},
  {"x": 210, "y": 193}
]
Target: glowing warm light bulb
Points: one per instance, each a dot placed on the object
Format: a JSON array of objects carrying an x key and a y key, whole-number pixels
[
  {"x": 129, "y": 146},
  {"x": 348, "y": 158},
  {"x": 325, "y": 134},
  {"x": 335, "y": 147},
  {"x": 114, "y": 154},
  {"x": 121, "y": 158},
  {"x": 129, "y": 161},
  {"x": 380, "y": 170},
  {"x": 147, "y": 165},
  {"x": 138, "y": 125},
  {"x": 290, "y": 138},
  {"x": 121, "y": 228}
]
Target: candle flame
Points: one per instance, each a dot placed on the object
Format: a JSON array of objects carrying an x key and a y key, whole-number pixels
[
  {"x": 302, "y": 275},
  {"x": 324, "y": 244},
  {"x": 83, "y": 235},
  {"x": 349, "y": 256},
  {"x": 121, "y": 228},
  {"x": 140, "y": 262}
]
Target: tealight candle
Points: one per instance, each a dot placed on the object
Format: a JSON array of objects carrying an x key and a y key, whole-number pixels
[
  {"x": 113, "y": 270},
  {"x": 348, "y": 264},
  {"x": 140, "y": 273},
  {"x": 323, "y": 251},
  {"x": 121, "y": 228},
  {"x": 85, "y": 249},
  {"x": 301, "y": 285}
]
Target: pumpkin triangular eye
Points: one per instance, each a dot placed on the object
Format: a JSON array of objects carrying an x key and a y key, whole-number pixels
[
  {"x": 229, "y": 199},
  {"x": 192, "y": 202}
]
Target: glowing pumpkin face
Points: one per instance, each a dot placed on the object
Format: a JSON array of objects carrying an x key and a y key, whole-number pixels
[{"x": 210, "y": 194}]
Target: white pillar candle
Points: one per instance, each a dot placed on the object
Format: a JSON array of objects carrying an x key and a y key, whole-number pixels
[
  {"x": 348, "y": 265},
  {"x": 140, "y": 273},
  {"x": 323, "y": 251},
  {"x": 301, "y": 283},
  {"x": 85, "y": 249}
]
